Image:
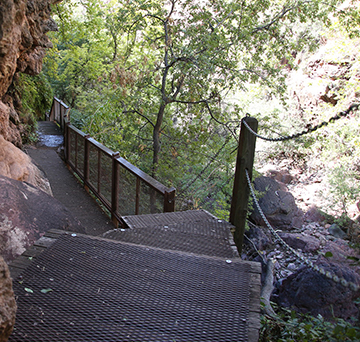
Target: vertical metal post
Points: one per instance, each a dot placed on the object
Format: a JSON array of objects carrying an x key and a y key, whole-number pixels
[
  {"x": 115, "y": 189},
  {"x": 241, "y": 191},
  {"x": 169, "y": 200}
]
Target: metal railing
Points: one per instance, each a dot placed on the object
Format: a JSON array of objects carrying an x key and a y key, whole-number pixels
[
  {"x": 59, "y": 112},
  {"x": 120, "y": 186}
]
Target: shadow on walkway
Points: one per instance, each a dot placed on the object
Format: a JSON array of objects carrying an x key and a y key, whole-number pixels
[{"x": 64, "y": 185}]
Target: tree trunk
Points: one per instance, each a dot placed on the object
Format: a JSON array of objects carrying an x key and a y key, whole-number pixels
[
  {"x": 267, "y": 289},
  {"x": 156, "y": 138}
]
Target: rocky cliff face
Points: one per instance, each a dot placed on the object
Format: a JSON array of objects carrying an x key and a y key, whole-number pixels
[{"x": 23, "y": 42}]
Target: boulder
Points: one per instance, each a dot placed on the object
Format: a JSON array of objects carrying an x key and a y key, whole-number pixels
[
  {"x": 26, "y": 213},
  {"x": 307, "y": 291},
  {"x": 17, "y": 165},
  {"x": 282, "y": 176},
  {"x": 314, "y": 215},
  {"x": 277, "y": 204},
  {"x": 337, "y": 232},
  {"x": 304, "y": 242},
  {"x": 342, "y": 253},
  {"x": 7, "y": 302}
]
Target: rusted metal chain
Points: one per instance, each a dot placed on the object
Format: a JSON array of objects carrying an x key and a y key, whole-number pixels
[
  {"x": 308, "y": 262},
  {"x": 338, "y": 116}
]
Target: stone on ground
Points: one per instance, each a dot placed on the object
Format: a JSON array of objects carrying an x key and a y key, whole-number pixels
[{"x": 309, "y": 292}]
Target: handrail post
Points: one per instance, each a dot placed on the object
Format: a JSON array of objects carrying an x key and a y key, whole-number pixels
[
  {"x": 115, "y": 188},
  {"x": 169, "y": 200},
  {"x": 86, "y": 162},
  {"x": 241, "y": 191}
]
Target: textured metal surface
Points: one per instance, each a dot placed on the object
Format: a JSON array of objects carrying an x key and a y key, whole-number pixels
[
  {"x": 112, "y": 291},
  {"x": 210, "y": 237},
  {"x": 142, "y": 221}
]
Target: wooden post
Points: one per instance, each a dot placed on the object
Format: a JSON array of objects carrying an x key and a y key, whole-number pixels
[
  {"x": 241, "y": 191},
  {"x": 169, "y": 200},
  {"x": 115, "y": 188},
  {"x": 86, "y": 162}
]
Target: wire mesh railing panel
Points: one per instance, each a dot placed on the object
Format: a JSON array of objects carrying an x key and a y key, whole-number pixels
[
  {"x": 150, "y": 201},
  {"x": 94, "y": 165},
  {"x": 72, "y": 146},
  {"x": 80, "y": 156},
  {"x": 105, "y": 174},
  {"x": 127, "y": 192}
]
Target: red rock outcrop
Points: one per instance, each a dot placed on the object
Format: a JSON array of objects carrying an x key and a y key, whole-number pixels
[
  {"x": 17, "y": 165},
  {"x": 23, "y": 42},
  {"x": 7, "y": 302}
]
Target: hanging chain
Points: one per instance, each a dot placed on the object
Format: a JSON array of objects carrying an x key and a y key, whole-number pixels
[
  {"x": 308, "y": 262},
  {"x": 309, "y": 130}
]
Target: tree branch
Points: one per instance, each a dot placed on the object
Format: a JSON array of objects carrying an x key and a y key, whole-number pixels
[
  {"x": 278, "y": 17},
  {"x": 142, "y": 115}
]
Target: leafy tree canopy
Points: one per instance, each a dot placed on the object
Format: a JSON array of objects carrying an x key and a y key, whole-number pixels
[{"x": 156, "y": 79}]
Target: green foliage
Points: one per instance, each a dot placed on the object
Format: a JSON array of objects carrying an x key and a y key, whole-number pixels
[
  {"x": 36, "y": 95},
  {"x": 343, "y": 187},
  {"x": 332, "y": 151},
  {"x": 290, "y": 326},
  {"x": 161, "y": 81}
]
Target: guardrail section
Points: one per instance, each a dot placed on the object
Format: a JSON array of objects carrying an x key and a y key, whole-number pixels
[{"x": 120, "y": 186}]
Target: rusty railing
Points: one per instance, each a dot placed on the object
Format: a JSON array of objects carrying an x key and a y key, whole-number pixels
[{"x": 120, "y": 186}]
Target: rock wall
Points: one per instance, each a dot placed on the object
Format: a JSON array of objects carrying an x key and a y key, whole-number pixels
[
  {"x": 17, "y": 165},
  {"x": 23, "y": 43}
]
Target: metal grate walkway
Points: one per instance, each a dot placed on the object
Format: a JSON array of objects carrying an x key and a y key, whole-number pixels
[
  {"x": 193, "y": 231},
  {"x": 141, "y": 221},
  {"x": 112, "y": 291}
]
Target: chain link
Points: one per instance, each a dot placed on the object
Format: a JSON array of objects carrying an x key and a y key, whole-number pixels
[
  {"x": 308, "y": 262},
  {"x": 309, "y": 130}
]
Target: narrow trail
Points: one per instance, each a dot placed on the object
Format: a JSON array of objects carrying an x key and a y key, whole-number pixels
[{"x": 64, "y": 185}]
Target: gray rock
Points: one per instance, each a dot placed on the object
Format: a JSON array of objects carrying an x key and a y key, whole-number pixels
[
  {"x": 314, "y": 215},
  {"x": 292, "y": 267},
  {"x": 308, "y": 291},
  {"x": 277, "y": 204},
  {"x": 304, "y": 242},
  {"x": 259, "y": 237},
  {"x": 336, "y": 231}
]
